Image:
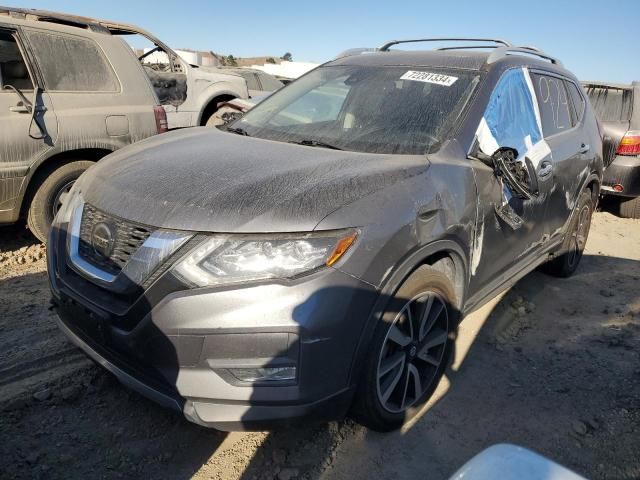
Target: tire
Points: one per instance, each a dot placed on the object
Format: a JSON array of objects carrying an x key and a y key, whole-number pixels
[
  {"x": 566, "y": 263},
  {"x": 49, "y": 196},
  {"x": 630, "y": 208},
  {"x": 375, "y": 406}
]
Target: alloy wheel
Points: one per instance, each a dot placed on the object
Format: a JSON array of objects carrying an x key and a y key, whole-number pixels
[
  {"x": 412, "y": 352},
  {"x": 579, "y": 235}
]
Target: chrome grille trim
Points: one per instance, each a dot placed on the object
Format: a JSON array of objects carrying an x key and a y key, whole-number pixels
[
  {"x": 129, "y": 238},
  {"x": 156, "y": 248}
]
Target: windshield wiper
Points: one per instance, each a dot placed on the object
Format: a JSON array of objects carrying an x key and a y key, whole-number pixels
[
  {"x": 316, "y": 143},
  {"x": 238, "y": 131}
]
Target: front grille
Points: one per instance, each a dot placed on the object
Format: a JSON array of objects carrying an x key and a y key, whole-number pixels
[{"x": 128, "y": 237}]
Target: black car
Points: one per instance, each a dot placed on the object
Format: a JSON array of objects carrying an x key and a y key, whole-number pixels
[
  {"x": 316, "y": 257},
  {"x": 617, "y": 107}
]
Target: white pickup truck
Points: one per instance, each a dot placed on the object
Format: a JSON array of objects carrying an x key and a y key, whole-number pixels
[{"x": 190, "y": 94}]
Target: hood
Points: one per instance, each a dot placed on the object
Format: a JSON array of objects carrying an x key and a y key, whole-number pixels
[
  {"x": 211, "y": 75},
  {"x": 217, "y": 73},
  {"x": 206, "y": 180}
]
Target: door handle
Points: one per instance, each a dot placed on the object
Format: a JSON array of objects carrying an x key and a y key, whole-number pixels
[
  {"x": 20, "y": 109},
  {"x": 545, "y": 169},
  {"x": 584, "y": 148}
]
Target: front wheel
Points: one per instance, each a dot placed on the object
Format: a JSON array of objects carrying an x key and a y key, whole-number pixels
[
  {"x": 409, "y": 351},
  {"x": 51, "y": 194},
  {"x": 567, "y": 260}
]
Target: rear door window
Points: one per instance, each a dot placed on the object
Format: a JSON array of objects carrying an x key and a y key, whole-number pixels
[
  {"x": 611, "y": 104},
  {"x": 72, "y": 64},
  {"x": 553, "y": 102}
]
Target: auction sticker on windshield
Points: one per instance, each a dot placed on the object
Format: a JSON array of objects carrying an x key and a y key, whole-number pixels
[{"x": 429, "y": 77}]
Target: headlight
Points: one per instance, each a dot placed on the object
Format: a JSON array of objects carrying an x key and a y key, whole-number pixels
[{"x": 226, "y": 259}]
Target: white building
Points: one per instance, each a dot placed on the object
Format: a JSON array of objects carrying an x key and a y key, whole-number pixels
[{"x": 286, "y": 69}]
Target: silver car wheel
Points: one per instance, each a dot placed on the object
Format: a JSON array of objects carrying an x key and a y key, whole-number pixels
[{"x": 412, "y": 352}]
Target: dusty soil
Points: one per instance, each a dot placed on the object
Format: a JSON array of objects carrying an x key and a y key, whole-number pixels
[{"x": 553, "y": 365}]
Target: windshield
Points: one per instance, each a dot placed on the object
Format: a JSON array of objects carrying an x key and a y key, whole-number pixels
[{"x": 398, "y": 110}]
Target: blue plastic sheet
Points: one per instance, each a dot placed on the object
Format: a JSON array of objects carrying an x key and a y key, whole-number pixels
[{"x": 510, "y": 114}]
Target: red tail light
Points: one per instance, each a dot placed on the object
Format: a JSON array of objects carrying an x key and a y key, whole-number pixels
[
  {"x": 161, "y": 119},
  {"x": 630, "y": 143}
]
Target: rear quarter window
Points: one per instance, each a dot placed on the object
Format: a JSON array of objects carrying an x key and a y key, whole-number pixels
[
  {"x": 611, "y": 104},
  {"x": 577, "y": 100},
  {"x": 70, "y": 63}
]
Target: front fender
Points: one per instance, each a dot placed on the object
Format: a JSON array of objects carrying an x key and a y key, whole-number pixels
[
  {"x": 218, "y": 89},
  {"x": 59, "y": 151},
  {"x": 393, "y": 281}
]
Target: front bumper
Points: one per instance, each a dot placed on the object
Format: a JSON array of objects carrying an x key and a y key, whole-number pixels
[
  {"x": 206, "y": 412},
  {"x": 625, "y": 171},
  {"x": 182, "y": 348}
]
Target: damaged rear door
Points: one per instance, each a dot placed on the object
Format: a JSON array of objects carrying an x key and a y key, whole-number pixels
[
  {"x": 571, "y": 151},
  {"x": 512, "y": 165}
]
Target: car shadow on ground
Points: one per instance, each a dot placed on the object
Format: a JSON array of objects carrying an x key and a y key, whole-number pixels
[
  {"x": 554, "y": 368},
  {"x": 559, "y": 376},
  {"x": 16, "y": 236}
]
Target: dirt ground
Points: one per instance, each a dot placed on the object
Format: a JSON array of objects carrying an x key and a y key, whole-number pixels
[{"x": 553, "y": 365}]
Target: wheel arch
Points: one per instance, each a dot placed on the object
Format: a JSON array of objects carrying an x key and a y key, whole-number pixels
[
  {"x": 40, "y": 172},
  {"x": 593, "y": 183},
  {"x": 211, "y": 105},
  {"x": 445, "y": 256}
]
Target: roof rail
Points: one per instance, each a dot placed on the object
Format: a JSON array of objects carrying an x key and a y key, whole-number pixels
[
  {"x": 466, "y": 47},
  {"x": 55, "y": 17},
  {"x": 502, "y": 52},
  {"x": 502, "y": 48},
  {"x": 496, "y": 41}
]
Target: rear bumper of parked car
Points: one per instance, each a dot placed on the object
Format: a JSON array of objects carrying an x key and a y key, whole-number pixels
[
  {"x": 184, "y": 352},
  {"x": 623, "y": 171}
]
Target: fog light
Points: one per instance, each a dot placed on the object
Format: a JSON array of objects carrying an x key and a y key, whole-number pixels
[{"x": 264, "y": 374}]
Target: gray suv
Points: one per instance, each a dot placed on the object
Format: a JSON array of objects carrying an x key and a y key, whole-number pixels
[
  {"x": 70, "y": 94},
  {"x": 316, "y": 257}
]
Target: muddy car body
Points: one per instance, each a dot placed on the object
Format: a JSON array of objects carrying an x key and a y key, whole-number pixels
[
  {"x": 259, "y": 83},
  {"x": 190, "y": 94},
  {"x": 70, "y": 95},
  {"x": 320, "y": 258}
]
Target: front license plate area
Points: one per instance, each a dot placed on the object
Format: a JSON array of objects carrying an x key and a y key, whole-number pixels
[{"x": 89, "y": 322}]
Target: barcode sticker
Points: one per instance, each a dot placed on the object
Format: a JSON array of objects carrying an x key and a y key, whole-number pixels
[{"x": 429, "y": 77}]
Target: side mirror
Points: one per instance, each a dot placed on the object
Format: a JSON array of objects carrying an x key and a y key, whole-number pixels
[
  {"x": 478, "y": 154},
  {"x": 519, "y": 176}
]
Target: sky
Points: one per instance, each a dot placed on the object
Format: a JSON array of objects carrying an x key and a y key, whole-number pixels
[{"x": 594, "y": 41}]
